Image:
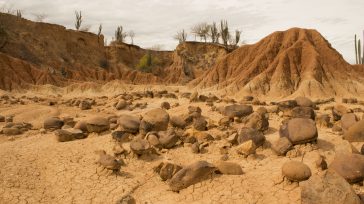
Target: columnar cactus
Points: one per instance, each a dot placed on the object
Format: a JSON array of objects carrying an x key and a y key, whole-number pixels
[
  {"x": 359, "y": 58},
  {"x": 356, "y": 50}
]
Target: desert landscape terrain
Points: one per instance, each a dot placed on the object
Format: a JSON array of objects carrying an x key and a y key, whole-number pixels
[{"x": 278, "y": 121}]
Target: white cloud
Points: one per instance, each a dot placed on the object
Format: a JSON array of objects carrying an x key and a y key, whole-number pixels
[{"x": 156, "y": 21}]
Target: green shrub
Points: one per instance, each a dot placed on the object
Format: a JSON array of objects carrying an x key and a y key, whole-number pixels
[{"x": 147, "y": 62}]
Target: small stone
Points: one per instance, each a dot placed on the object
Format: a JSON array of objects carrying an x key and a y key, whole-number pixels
[
  {"x": 246, "y": 148},
  {"x": 165, "y": 105},
  {"x": 229, "y": 168},
  {"x": 282, "y": 146}
]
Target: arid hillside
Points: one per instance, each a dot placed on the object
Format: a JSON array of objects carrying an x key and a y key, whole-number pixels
[
  {"x": 43, "y": 53},
  {"x": 293, "y": 62}
]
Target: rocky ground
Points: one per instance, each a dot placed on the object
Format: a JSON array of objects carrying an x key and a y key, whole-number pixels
[{"x": 174, "y": 146}]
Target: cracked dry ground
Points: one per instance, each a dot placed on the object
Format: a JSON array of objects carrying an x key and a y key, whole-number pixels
[{"x": 35, "y": 168}]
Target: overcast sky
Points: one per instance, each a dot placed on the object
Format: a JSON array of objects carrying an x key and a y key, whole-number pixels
[{"x": 156, "y": 21}]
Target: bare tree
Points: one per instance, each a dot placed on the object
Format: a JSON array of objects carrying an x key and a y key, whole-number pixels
[
  {"x": 181, "y": 36},
  {"x": 119, "y": 34},
  {"x": 202, "y": 30},
  {"x": 131, "y": 34},
  {"x": 156, "y": 47},
  {"x": 78, "y": 20},
  {"x": 39, "y": 17}
]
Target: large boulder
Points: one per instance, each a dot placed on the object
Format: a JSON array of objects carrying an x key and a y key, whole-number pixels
[
  {"x": 129, "y": 123},
  {"x": 81, "y": 125},
  {"x": 167, "y": 170},
  {"x": 11, "y": 131},
  {"x": 168, "y": 139},
  {"x": 299, "y": 130},
  {"x": 69, "y": 134},
  {"x": 349, "y": 166},
  {"x": 296, "y": 171},
  {"x": 121, "y": 104},
  {"x": 53, "y": 123},
  {"x": 178, "y": 121},
  {"x": 303, "y": 112},
  {"x": 237, "y": 110},
  {"x": 355, "y": 133},
  {"x": 246, "y": 134},
  {"x": 330, "y": 188},
  {"x": 338, "y": 111},
  {"x": 281, "y": 146},
  {"x": 348, "y": 120},
  {"x": 190, "y": 175},
  {"x": 141, "y": 146},
  {"x": 85, "y": 105},
  {"x": 257, "y": 120},
  {"x": 154, "y": 120},
  {"x": 304, "y": 102},
  {"x": 200, "y": 123},
  {"x": 97, "y": 124}
]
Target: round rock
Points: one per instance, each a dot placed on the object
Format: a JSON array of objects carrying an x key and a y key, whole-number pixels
[
  {"x": 97, "y": 124},
  {"x": 299, "y": 130},
  {"x": 296, "y": 171}
]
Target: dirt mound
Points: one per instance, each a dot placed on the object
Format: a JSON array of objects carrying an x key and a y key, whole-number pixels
[
  {"x": 293, "y": 62},
  {"x": 192, "y": 59}
]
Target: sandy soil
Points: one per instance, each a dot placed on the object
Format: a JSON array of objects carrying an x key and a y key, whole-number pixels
[{"x": 35, "y": 168}]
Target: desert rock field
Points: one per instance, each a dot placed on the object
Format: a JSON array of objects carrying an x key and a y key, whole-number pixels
[{"x": 278, "y": 121}]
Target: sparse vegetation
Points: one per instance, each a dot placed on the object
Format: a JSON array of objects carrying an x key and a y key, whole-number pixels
[
  {"x": 39, "y": 17},
  {"x": 181, "y": 36},
  {"x": 3, "y": 37},
  {"x": 147, "y": 62},
  {"x": 201, "y": 30},
  {"x": 120, "y": 35},
  {"x": 104, "y": 63},
  {"x": 205, "y": 31},
  {"x": 78, "y": 20},
  {"x": 18, "y": 13},
  {"x": 131, "y": 34}
]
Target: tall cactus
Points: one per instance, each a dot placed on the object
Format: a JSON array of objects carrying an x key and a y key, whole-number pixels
[
  {"x": 359, "y": 52},
  {"x": 356, "y": 50},
  {"x": 362, "y": 59}
]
